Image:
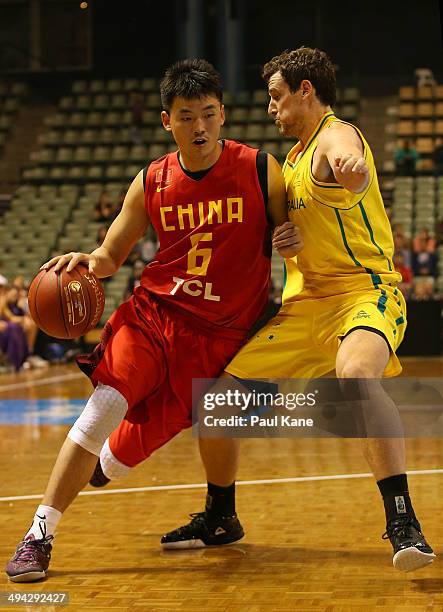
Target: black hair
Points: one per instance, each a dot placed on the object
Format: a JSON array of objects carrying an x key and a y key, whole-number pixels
[{"x": 190, "y": 78}]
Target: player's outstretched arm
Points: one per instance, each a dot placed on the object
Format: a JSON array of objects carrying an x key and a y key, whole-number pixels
[
  {"x": 130, "y": 225},
  {"x": 286, "y": 238},
  {"x": 344, "y": 150}
]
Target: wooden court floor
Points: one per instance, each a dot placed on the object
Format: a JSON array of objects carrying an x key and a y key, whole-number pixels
[{"x": 309, "y": 545}]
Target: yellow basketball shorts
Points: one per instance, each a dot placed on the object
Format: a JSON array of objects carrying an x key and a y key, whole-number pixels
[{"x": 303, "y": 339}]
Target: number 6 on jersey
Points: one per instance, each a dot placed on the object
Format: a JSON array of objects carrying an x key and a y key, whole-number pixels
[{"x": 195, "y": 252}]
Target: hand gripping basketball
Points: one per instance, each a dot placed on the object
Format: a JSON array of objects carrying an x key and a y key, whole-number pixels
[{"x": 66, "y": 303}]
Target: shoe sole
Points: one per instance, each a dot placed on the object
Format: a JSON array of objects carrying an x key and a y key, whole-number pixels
[
  {"x": 410, "y": 559},
  {"x": 28, "y": 577},
  {"x": 191, "y": 544}
]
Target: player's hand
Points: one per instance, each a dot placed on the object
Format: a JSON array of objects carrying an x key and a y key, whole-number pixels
[
  {"x": 287, "y": 240},
  {"x": 71, "y": 260},
  {"x": 351, "y": 171}
]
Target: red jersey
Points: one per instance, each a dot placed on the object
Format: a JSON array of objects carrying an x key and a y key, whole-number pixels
[{"x": 212, "y": 263}]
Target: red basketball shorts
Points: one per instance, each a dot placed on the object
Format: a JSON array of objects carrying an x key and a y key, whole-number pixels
[{"x": 151, "y": 357}]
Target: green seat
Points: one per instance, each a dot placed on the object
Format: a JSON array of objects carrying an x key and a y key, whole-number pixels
[
  {"x": 83, "y": 102},
  {"x": 66, "y": 103},
  {"x": 101, "y": 101},
  {"x": 131, "y": 84},
  {"x": 94, "y": 172},
  {"x": 120, "y": 153},
  {"x": 97, "y": 85},
  {"x": 82, "y": 154},
  {"x": 114, "y": 172},
  {"x": 101, "y": 154},
  {"x": 114, "y": 85},
  {"x": 76, "y": 120},
  {"x": 119, "y": 101},
  {"x": 79, "y": 87}
]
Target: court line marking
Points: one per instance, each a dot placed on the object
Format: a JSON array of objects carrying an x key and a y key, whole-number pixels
[
  {"x": 42, "y": 381},
  {"x": 178, "y": 487}
]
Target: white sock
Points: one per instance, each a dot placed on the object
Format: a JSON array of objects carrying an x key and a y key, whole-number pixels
[{"x": 45, "y": 522}]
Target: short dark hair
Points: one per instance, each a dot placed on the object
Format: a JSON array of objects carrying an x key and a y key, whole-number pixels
[
  {"x": 190, "y": 78},
  {"x": 305, "y": 63}
]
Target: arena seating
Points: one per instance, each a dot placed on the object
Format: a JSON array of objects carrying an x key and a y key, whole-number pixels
[
  {"x": 420, "y": 118},
  {"x": 10, "y": 99}
]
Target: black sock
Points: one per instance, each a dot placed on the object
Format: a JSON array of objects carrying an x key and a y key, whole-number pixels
[
  {"x": 220, "y": 501},
  {"x": 396, "y": 498}
]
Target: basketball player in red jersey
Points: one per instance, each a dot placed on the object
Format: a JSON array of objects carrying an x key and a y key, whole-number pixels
[{"x": 209, "y": 203}]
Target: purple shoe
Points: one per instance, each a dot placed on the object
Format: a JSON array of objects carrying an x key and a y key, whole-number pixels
[{"x": 31, "y": 560}]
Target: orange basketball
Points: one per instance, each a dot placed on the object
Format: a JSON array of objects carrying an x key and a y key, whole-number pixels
[{"x": 66, "y": 304}]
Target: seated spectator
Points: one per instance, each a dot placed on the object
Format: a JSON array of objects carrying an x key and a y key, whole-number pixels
[
  {"x": 134, "y": 279},
  {"x": 437, "y": 157},
  {"x": 423, "y": 289},
  {"x": 406, "y": 274},
  {"x": 15, "y": 310},
  {"x": 13, "y": 342},
  {"x": 104, "y": 209},
  {"x": 134, "y": 255},
  {"x": 148, "y": 249},
  {"x": 425, "y": 77},
  {"x": 439, "y": 231},
  {"x": 424, "y": 242},
  {"x": 401, "y": 247},
  {"x": 406, "y": 158},
  {"x": 424, "y": 263},
  {"x": 101, "y": 234},
  {"x": 120, "y": 200}
]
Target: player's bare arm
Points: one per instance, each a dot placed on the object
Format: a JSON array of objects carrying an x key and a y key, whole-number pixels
[
  {"x": 287, "y": 238},
  {"x": 130, "y": 225},
  {"x": 341, "y": 147}
]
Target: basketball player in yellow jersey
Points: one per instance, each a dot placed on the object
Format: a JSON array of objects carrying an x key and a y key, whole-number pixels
[{"x": 341, "y": 308}]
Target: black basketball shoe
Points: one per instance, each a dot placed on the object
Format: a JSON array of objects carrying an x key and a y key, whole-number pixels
[
  {"x": 204, "y": 531},
  {"x": 98, "y": 479},
  {"x": 411, "y": 551}
]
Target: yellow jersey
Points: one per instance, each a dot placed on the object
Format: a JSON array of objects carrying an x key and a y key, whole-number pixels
[{"x": 348, "y": 244}]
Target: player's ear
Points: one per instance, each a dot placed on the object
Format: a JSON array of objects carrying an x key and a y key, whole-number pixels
[
  {"x": 166, "y": 120},
  {"x": 222, "y": 114},
  {"x": 306, "y": 88}
]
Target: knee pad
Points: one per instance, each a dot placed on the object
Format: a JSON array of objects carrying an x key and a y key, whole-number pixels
[
  {"x": 111, "y": 466},
  {"x": 102, "y": 414}
]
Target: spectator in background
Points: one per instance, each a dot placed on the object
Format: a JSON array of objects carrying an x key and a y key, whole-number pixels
[
  {"x": 437, "y": 157},
  {"x": 134, "y": 279},
  {"x": 423, "y": 289},
  {"x": 15, "y": 310},
  {"x": 13, "y": 342},
  {"x": 401, "y": 247},
  {"x": 406, "y": 158},
  {"x": 406, "y": 274},
  {"x": 148, "y": 249},
  {"x": 101, "y": 235},
  {"x": 119, "y": 205},
  {"x": 424, "y": 263},
  {"x": 423, "y": 241},
  {"x": 104, "y": 209},
  {"x": 137, "y": 108},
  {"x": 439, "y": 231},
  {"x": 134, "y": 255}
]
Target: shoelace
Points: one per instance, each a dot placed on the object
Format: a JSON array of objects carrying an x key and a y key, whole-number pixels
[
  {"x": 28, "y": 548},
  {"x": 398, "y": 528},
  {"x": 197, "y": 518}
]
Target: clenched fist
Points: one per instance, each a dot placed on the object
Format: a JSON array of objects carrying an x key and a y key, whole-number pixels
[
  {"x": 351, "y": 171},
  {"x": 287, "y": 240}
]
